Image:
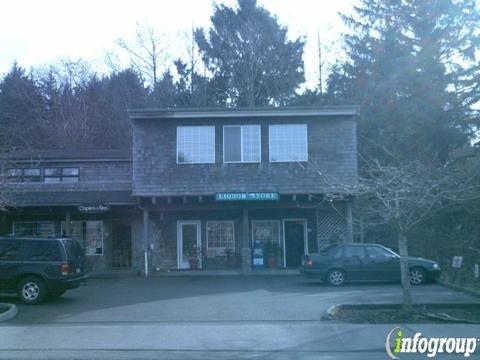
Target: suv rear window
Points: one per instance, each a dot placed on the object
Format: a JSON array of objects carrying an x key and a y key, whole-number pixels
[
  {"x": 73, "y": 249},
  {"x": 41, "y": 250}
]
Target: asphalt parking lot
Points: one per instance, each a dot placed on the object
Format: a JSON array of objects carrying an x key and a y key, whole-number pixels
[
  {"x": 213, "y": 299},
  {"x": 222, "y": 317}
]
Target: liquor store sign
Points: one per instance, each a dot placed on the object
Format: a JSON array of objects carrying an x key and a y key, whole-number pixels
[{"x": 247, "y": 196}]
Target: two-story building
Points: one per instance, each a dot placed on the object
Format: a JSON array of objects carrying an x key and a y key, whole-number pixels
[{"x": 198, "y": 189}]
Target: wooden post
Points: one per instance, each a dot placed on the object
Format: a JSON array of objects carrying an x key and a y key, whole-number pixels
[
  {"x": 146, "y": 220},
  {"x": 349, "y": 222},
  {"x": 361, "y": 229},
  {"x": 68, "y": 225},
  {"x": 246, "y": 242},
  {"x": 246, "y": 248}
]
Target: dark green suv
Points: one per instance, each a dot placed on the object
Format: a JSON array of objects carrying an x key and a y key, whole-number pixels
[
  {"x": 35, "y": 268},
  {"x": 363, "y": 262}
]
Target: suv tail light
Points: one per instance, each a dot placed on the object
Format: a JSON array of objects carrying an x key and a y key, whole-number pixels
[{"x": 64, "y": 269}]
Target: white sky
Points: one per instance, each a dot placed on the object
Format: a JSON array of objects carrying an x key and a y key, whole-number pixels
[{"x": 39, "y": 32}]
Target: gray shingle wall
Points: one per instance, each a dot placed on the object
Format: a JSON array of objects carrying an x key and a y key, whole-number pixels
[
  {"x": 99, "y": 181},
  {"x": 332, "y": 151}
]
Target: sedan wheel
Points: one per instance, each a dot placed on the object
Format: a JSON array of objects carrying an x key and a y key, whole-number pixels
[
  {"x": 336, "y": 277},
  {"x": 417, "y": 276}
]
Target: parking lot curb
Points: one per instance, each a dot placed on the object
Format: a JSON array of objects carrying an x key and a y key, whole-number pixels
[
  {"x": 333, "y": 310},
  {"x": 9, "y": 313},
  {"x": 459, "y": 288}
]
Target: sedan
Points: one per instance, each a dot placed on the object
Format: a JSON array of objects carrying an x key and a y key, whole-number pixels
[{"x": 337, "y": 264}]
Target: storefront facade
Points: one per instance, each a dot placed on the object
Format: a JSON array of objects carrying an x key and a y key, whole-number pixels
[
  {"x": 198, "y": 190},
  {"x": 83, "y": 194},
  {"x": 213, "y": 182}
]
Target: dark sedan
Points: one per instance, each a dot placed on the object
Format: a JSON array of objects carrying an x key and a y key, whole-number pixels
[{"x": 363, "y": 262}]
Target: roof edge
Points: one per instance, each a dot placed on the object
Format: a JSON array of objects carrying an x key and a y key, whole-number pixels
[{"x": 192, "y": 113}]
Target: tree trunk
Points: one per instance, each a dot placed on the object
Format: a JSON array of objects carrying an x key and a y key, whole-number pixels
[{"x": 405, "y": 273}]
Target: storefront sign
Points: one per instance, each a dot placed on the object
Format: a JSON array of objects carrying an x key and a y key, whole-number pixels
[
  {"x": 250, "y": 196},
  {"x": 93, "y": 209}
]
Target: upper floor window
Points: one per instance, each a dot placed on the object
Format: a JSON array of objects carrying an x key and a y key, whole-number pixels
[
  {"x": 195, "y": 144},
  {"x": 31, "y": 175},
  {"x": 54, "y": 175},
  {"x": 288, "y": 142},
  {"x": 241, "y": 143},
  {"x": 48, "y": 175}
]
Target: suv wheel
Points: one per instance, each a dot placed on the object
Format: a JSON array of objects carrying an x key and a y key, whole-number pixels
[
  {"x": 417, "y": 276},
  {"x": 31, "y": 290},
  {"x": 336, "y": 277}
]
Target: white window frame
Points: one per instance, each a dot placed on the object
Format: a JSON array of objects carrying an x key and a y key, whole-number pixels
[
  {"x": 241, "y": 144},
  {"x": 103, "y": 236},
  {"x": 233, "y": 238},
  {"x": 33, "y": 222},
  {"x": 270, "y": 143},
  {"x": 195, "y": 162},
  {"x": 278, "y": 222}
]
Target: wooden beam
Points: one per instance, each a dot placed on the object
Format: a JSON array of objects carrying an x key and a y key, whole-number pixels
[
  {"x": 194, "y": 206},
  {"x": 68, "y": 224},
  {"x": 246, "y": 232}
]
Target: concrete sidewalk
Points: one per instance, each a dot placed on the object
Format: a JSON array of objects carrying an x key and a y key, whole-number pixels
[{"x": 275, "y": 337}]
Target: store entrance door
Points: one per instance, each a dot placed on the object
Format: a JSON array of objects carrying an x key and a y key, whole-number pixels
[
  {"x": 121, "y": 246},
  {"x": 295, "y": 245}
]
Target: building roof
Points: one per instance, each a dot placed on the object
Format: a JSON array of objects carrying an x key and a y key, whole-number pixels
[
  {"x": 73, "y": 198},
  {"x": 220, "y": 112}
]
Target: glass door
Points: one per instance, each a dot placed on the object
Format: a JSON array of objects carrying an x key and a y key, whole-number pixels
[{"x": 189, "y": 245}]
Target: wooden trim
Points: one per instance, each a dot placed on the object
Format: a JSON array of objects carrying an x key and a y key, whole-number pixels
[{"x": 243, "y": 112}]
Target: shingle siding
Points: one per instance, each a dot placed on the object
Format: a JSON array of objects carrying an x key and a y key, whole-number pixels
[
  {"x": 331, "y": 148},
  {"x": 103, "y": 180}
]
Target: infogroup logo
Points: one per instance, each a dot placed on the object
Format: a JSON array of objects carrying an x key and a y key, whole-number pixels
[{"x": 396, "y": 344}]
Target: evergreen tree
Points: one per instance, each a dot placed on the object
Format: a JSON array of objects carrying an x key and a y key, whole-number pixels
[
  {"x": 22, "y": 111},
  {"x": 411, "y": 66},
  {"x": 249, "y": 56}
]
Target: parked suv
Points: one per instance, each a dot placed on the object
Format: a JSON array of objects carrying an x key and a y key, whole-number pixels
[{"x": 35, "y": 268}]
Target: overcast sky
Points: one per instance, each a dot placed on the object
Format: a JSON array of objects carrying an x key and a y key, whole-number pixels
[{"x": 35, "y": 33}]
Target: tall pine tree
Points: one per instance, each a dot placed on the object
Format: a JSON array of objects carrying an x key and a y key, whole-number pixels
[{"x": 411, "y": 66}]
